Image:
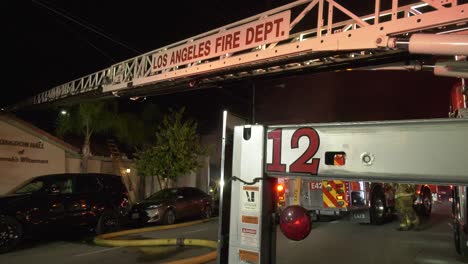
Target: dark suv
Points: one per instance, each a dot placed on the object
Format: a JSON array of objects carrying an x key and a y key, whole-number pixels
[{"x": 97, "y": 202}]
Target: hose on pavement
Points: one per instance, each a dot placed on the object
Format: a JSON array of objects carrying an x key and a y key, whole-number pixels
[{"x": 109, "y": 241}]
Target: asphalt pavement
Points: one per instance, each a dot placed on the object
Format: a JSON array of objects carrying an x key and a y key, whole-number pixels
[
  {"x": 331, "y": 241},
  {"x": 341, "y": 241}
]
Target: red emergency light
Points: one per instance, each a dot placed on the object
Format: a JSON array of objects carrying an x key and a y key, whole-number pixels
[{"x": 295, "y": 222}]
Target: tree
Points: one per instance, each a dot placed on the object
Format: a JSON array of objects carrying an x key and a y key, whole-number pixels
[
  {"x": 85, "y": 120},
  {"x": 136, "y": 129},
  {"x": 176, "y": 150}
]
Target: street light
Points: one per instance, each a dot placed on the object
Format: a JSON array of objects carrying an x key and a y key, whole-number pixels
[
  {"x": 128, "y": 170},
  {"x": 63, "y": 112}
]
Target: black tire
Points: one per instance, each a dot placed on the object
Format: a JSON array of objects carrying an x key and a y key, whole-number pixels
[
  {"x": 169, "y": 217},
  {"x": 207, "y": 212},
  {"x": 378, "y": 209},
  {"x": 459, "y": 237},
  {"x": 108, "y": 222},
  {"x": 426, "y": 202},
  {"x": 11, "y": 233}
]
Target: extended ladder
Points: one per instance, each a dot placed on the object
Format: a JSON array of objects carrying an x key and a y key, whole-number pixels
[{"x": 312, "y": 35}]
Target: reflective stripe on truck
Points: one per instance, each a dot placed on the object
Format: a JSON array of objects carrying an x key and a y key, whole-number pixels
[{"x": 334, "y": 194}]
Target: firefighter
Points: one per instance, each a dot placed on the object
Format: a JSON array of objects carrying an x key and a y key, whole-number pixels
[{"x": 404, "y": 200}]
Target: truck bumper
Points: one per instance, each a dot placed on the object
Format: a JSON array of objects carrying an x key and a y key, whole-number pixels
[{"x": 360, "y": 215}]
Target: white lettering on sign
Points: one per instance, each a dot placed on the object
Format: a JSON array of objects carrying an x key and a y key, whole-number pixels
[
  {"x": 268, "y": 30},
  {"x": 250, "y": 199},
  {"x": 249, "y": 237},
  {"x": 315, "y": 185},
  {"x": 18, "y": 143}
]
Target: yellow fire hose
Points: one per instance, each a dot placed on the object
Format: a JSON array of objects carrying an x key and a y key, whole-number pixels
[{"x": 106, "y": 240}]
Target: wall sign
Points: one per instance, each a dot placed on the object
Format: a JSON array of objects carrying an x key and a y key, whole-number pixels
[
  {"x": 250, "y": 199},
  {"x": 18, "y": 143},
  {"x": 20, "y": 156}
]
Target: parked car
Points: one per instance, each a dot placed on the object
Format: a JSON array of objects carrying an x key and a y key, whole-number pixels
[
  {"x": 97, "y": 202},
  {"x": 170, "y": 205}
]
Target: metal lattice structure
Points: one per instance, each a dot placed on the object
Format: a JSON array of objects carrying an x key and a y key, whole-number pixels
[{"x": 337, "y": 37}]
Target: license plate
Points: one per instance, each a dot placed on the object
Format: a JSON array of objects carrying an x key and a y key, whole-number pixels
[
  {"x": 135, "y": 215},
  {"x": 359, "y": 216}
]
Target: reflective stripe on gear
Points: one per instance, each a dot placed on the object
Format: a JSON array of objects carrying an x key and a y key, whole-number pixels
[{"x": 407, "y": 215}]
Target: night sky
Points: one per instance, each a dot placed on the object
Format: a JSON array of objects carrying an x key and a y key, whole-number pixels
[
  {"x": 59, "y": 50},
  {"x": 52, "y": 42}
]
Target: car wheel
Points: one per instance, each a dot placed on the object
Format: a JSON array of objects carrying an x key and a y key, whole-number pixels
[
  {"x": 169, "y": 217},
  {"x": 207, "y": 212},
  {"x": 456, "y": 237},
  {"x": 11, "y": 233},
  {"x": 378, "y": 208},
  {"x": 459, "y": 239},
  {"x": 108, "y": 222}
]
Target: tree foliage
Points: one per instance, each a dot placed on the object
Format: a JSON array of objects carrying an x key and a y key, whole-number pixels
[
  {"x": 176, "y": 150},
  {"x": 104, "y": 117},
  {"x": 85, "y": 120},
  {"x": 137, "y": 130}
]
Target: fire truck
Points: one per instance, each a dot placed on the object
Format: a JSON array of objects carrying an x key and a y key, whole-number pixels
[
  {"x": 364, "y": 202},
  {"x": 312, "y": 36}
]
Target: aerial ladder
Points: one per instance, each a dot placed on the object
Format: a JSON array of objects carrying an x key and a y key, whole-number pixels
[
  {"x": 303, "y": 36},
  {"x": 120, "y": 168},
  {"x": 310, "y": 36}
]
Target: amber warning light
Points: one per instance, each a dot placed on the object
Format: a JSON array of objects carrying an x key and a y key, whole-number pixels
[
  {"x": 280, "y": 192},
  {"x": 279, "y": 188}
]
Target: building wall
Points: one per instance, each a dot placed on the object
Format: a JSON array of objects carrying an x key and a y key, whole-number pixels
[
  {"x": 149, "y": 185},
  {"x": 24, "y": 155},
  {"x": 28, "y": 157},
  {"x": 352, "y": 96},
  {"x": 213, "y": 142},
  {"x": 107, "y": 166},
  {"x": 198, "y": 178},
  {"x": 94, "y": 166},
  {"x": 72, "y": 165}
]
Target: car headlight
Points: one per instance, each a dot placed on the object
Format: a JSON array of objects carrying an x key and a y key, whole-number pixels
[{"x": 154, "y": 206}]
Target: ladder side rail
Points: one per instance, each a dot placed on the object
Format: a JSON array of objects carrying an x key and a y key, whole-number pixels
[
  {"x": 44, "y": 97},
  {"x": 362, "y": 21},
  {"x": 371, "y": 37},
  {"x": 416, "y": 151},
  {"x": 214, "y": 31},
  {"x": 144, "y": 69},
  {"x": 333, "y": 3},
  {"x": 71, "y": 88},
  {"x": 129, "y": 79}
]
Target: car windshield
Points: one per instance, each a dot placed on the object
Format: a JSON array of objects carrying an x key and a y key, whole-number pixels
[
  {"x": 30, "y": 187},
  {"x": 163, "y": 194}
]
